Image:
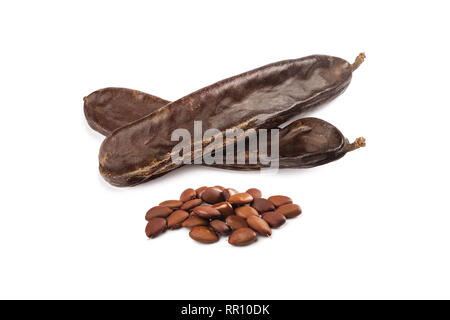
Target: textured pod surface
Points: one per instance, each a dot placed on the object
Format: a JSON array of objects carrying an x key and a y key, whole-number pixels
[
  {"x": 155, "y": 227},
  {"x": 262, "y": 98},
  {"x": 203, "y": 234},
  {"x": 259, "y": 225},
  {"x": 242, "y": 237},
  {"x": 111, "y": 108}
]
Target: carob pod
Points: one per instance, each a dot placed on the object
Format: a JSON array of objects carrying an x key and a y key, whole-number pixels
[
  {"x": 111, "y": 108},
  {"x": 305, "y": 143},
  {"x": 262, "y": 98}
]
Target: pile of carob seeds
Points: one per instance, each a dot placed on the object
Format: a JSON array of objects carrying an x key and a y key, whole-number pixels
[{"x": 213, "y": 211}]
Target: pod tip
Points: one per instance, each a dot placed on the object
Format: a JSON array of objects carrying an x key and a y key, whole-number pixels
[
  {"x": 358, "y": 143},
  {"x": 358, "y": 61}
]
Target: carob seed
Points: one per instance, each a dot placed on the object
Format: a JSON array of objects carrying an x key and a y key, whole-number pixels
[
  {"x": 228, "y": 192},
  {"x": 188, "y": 205},
  {"x": 187, "y": 195},
  {"x": 274, "y": 219},
  {"x": 255, "y": 193},
  {"x": 280, "y": 200},
  {"x": 176, "y": 218},
  {"x": 225, "y": 208},
  {"x": 203, "y": 234},
  {"x": 236, "y": 222},
  {"x": 289, "y": 210},
  {"x": 155, "y": 227},
  {"x": 194, "y": 221},
  {"x": 158, "y": 212},
  {"x": 262, "y": 205},
  {"x": 240, "y": 198},
  {"x": 220, "y": 227},
  {"x": 200, "y": 190},
  {"x": 172, "y": 204},
  {"x": 242, "y": 237},
  {"x": 206, "y": 212},
  {"x": 212, "y": 195},
  {"x": 259, "y": 225},
  {"x": 245, "y": 212}
]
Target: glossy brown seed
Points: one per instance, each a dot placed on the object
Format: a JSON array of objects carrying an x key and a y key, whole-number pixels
[
  {"x": 228, "y": 192},
  {"x": 242, "y": 237},
  {"x": 274, "y": 219},
  {"x": 203, "y": 234},
  {"x": 289, "y": 210},
  {"x": 200, "y": 190},
  {"x": 176, "y": 218},
  {"x": 188, "y": 205},
  {"x": 236, "y": 222},
  {"x": 212, "y": 195},
  {"x": 262, "y": 205},
  {"x": 219, "y": 187},
  {"x": 259, "y": 225},
  {"x": 187, "y": 195},
  {"x": 173, "y": 204},
  {"x": 255, "y": 193},
  {"x": 194, "y": 221},
  {"x": 280, "y": 200},
  {"x": 158, "y": 212},
  {"x": 225, "y": 208},
  {"x": 240, "y": 198},
  {"x": 245, "y": 212},
  {"x": 155, "y": 227},
  {"x": 206, "y": 212},
  {"x": 220, "y": 227}
]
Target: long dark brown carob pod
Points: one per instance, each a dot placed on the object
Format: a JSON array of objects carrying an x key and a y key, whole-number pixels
[
  {"x": 261, "y": 98},
  {"x": 111, "y": 108}
]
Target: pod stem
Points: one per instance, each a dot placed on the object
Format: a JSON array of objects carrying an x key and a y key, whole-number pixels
[
  {"x": 358, "y": 143},
  {"x": 359, "y": 59}
]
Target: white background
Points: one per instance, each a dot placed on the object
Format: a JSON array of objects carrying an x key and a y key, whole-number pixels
[{"x": 375, "y": 223}]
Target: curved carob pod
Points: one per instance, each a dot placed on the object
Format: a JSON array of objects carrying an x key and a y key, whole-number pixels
[
  {"x": 112, "y": 108},
  {"x": 305, "y": 143},
  {"x": 262, "y": 98}
]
